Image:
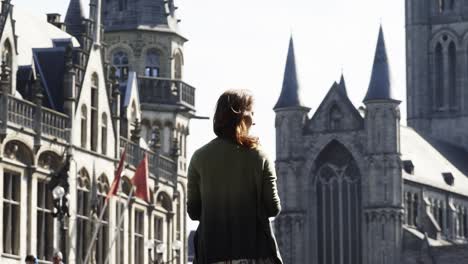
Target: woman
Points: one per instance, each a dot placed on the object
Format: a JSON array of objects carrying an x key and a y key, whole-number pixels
[{"x": 232, "y": 190}]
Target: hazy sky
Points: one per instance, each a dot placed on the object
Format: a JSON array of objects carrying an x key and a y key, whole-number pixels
[{"x": 243, "y": 44}]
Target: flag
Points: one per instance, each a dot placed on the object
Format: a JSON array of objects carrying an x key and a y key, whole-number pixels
[
  {"x": 140, "y": 180},
  {"x": 115, "y": 184}
]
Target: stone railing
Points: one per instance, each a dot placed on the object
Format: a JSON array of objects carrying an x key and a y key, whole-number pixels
[
  {"x": 166, "y": 91},
  {"x": 25, "y": 115},
  {"x": 160, "y": 167}
]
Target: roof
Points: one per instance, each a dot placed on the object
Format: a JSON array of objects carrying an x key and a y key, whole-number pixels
[
  {"x": 289, "y": 96},
  {"x": 74, "y": 17},
  {"x": 50, "y": 64},
  {"x": 380, "y": 87},
  {"x": 431, "y": 158},
  {"x": 342, "y": 86},
  {"x": 36, "y": 32}
]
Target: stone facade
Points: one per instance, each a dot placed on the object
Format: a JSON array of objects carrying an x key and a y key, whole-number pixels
[
  {"x": 68, "y": 101},
  {"x": 358, "y": 187}
]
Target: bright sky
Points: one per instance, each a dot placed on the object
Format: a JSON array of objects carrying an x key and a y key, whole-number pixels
[{"x": 243, "y": 44}]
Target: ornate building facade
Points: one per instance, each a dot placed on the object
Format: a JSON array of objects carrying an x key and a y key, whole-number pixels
[
  {"x": 88, "y": 88},
  {"x": 359, "y": 187}
]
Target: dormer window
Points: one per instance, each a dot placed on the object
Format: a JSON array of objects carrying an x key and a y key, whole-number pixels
[{"x": 408, "y": 166}]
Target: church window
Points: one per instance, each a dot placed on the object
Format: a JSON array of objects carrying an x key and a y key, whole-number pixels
[
  {"x": 122, "y": 5},
  {"x": 102, "y": 241},
  {"x": 45, "y": 222},
  {"x": 439, "y": 75},
  {"x": 178, "y": 66},
  {"x": 84, "y": 126},
  {"x": 338, "y": 185},
  {"x": 139, "y": 237},
  {"x": 335, "y": 118},
  {"x": 104, "y": 134},
  {"x": 83, "y": 222},
  {"x": 452, "y": 74},
  {"x": 94, "y": 111},
  {"x": 120, "y": 62},
  {"x": 11, "y": 212},
  {"x": 152, "y": 67}
]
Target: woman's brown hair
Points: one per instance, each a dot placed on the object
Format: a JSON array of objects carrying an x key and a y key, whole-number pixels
[{"x": 231, "y": 118}]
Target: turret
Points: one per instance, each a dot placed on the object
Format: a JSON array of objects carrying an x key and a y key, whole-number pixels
[
  {"x": 383, "y": 202},
  {"x": 291, "y": 113}
]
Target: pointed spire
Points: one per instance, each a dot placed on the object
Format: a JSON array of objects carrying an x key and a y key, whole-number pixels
[
  {"x": 95, "y": 16},
  {"x": 74, "y": 17},
  {"x": 380, "y": 87},
  {"x": 342, "y": 85},
  {"x": 290, "y": 91}
]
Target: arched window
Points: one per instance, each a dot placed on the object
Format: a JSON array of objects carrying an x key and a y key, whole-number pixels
[
  {"x": 83, "y": 222},
  {"x": 439, "y": 75},
  {"x": 94, "y": 111},
  {"x": 84, "y": 126},
  {"x": 102, "y": 242},
  {"x": 338, "y": 185},
  {"x": 335, "y": 118},
  {"x": 120, "y": 62},
  {"x": 7, "y": 57},
  {"x": 452, "y": 74},
  {"x": 178, "y": 66},
  {"x": 153, "y": 60},
  {"x": 104, "y": 134}
]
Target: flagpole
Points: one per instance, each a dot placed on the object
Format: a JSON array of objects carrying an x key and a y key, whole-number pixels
[
  {"x": 117, "y": 231},
  {"x": 96, "y": 231}
]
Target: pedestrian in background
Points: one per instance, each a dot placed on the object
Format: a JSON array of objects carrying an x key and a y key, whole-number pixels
[
  {"x": 57, "y": 258},
  {"x": 232, "y": 190},
  {"x": 30, "y": 259}
]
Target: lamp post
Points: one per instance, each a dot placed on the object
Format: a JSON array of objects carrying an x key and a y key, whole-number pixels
[{"x": 61, "y": 210}]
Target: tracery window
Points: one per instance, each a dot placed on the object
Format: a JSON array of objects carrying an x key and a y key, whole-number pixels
[
  {"x": 439, "y": 72},
  {"x": 45, "y": 222},
  {"x": 102, "y": 242},
  {"x": 11, "y": 212},
  {"x": 120, "y": 62},
  {"x": 445, "y": 74},
  {"x": 452, "y": 74},
  {"x": 83, "y": 222},
  {"x": 339, "y": 205}
]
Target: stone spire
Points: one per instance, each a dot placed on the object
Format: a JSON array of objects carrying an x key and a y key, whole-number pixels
[
  {"x": 342, "y": 86},
  {"x": 95, "y": 16},
  {"x": 74, "y": 18},
  {"x": 289, "y": 96},
  {"x": 380, "y": 87}
]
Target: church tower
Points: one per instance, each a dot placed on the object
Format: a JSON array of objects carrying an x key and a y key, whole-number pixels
[
  {"x": 383, "y": 205},
  {"x": 436, "y": 52},
  {"x": 291, "y": 117},
  {"x": 145, "y": 46}
]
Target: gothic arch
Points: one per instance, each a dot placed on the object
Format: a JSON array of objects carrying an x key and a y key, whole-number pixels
[
  {"x": 124, "y": 48},
  {"x": 49, "y": 160},
  {"x": 439, "y": 37},
  {"x": 163, "y": 200},
  {"x": 338, "y": 205},
  {"x": 19, "y": 151}
]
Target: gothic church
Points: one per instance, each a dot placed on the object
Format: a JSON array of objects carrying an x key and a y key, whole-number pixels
[{"x": 356, "y": 185}]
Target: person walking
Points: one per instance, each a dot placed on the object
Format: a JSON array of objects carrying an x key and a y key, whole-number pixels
[
  {"x": 232, "y": 190},
  {"x": 57, "y": 258}
]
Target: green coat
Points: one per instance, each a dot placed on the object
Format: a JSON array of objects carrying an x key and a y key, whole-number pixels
[{"x": 223, "y": 183}]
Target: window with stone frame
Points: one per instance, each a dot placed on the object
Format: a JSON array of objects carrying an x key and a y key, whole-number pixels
[
  {"x": 102, "y": 240},
  {"x": 7, "y": 57},
  {"x": 178, "y": 220},
  {"x": 121, "y": 64},
  {"x": 158, "y": 229},
  {"x": 120, "y": 230},
  {"x": 94, "y": 111},
  {"x": 178, "y": 66},
  {"x": 153, "y": 63},
  {"x": 411, "y": 209},
  {"x": 439, "y": 76},
  {"x": 139, "y": 236},
  {"x": 461, "y": 225},
  {"x": 437, "y": 210},
  {"x": 452, "y": 74},
  {"x": 11, "y": 212},
  {"x": 45, "y": 222},
  {"x": 84, "y": 126},
  {"x": 83, "y": 221},
  {"x": 104, "y": 134}
]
